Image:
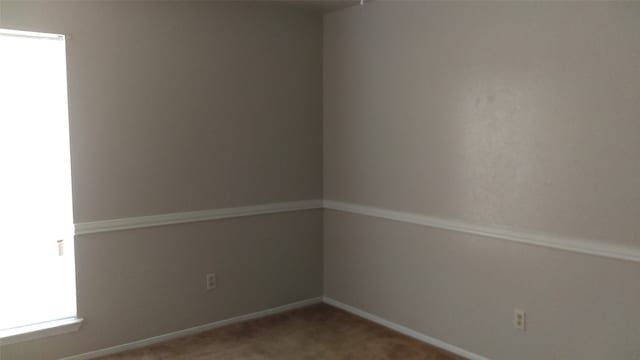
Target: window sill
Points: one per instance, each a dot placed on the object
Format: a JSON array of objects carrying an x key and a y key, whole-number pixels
[{"x": 37, "y": 331}]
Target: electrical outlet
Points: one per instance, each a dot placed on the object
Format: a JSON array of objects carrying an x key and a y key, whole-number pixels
[
  {"x": 212, "y": 281},
  {"x": 519, "y": 319}
]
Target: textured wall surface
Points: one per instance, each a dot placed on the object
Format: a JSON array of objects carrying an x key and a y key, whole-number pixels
[
  {"x": 180, "y": 106},
  {"x": 142, "y": 283},
  {"x": 522, "y": 115},
  {"x": 462, "y": 289},
  {"x": 186, "y": 106}
]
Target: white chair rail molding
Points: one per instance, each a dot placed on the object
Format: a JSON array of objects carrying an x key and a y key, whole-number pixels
[{"x": 583, "y": 246}]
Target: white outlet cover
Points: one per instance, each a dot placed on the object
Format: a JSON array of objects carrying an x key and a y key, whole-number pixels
[
  {"x": 211, "y": 281},
  {"x": 519, "y": 319}
]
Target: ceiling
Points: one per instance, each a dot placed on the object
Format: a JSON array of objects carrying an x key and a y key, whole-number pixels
[{"x": 323, "y": 6}]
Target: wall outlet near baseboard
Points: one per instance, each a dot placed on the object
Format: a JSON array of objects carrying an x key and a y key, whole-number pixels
[
  {"x": 212, "y": 281},
  {"x": 519, "y": 319}
]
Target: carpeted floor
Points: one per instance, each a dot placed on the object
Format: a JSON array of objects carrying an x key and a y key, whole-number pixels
[{"x": 314, "y": 332}]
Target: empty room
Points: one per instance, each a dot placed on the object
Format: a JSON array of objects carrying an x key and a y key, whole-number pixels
[{"x": 260, "y": 180}]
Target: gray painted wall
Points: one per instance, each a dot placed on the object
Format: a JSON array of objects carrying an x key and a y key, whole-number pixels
[
  {"x": 187, "y": 106},
  {"x": 515, "y": 114},
  {"x": 521, "y": 114},
  {"x": 177, "y": 107}
]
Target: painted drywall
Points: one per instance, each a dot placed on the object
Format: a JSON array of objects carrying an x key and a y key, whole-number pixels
[
  {"x": 182, "y": 106},
  {"x": 186, "y": 106},
  {"x": 142, "y": 283},
  {"x": 462, "y": 289},
  {"x": 515, "y": 114},
  {"x": 522, "y": 115}
]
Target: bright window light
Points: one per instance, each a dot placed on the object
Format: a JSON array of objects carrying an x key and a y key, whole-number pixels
[{"x": 37, "y": 275}]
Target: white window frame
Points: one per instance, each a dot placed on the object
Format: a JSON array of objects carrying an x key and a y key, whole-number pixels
[{"x": 47, "y": 328}]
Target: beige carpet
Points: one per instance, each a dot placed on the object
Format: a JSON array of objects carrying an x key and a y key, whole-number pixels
[{"x": 315, "y": 332}]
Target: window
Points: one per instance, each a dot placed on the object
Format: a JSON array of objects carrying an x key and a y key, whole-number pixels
[{"x": 37, "y": 275}]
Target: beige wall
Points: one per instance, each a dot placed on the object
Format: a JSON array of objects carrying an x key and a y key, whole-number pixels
[
  {"x": 518, "y": 114},
  {"x": 514, "y": 114},
  {"x": 178, "y": 106},
  {"x": 187, "y": 106},
  {"x": 462, "y": 289},
  {"x": 142, "y": 283},
  {"x": 521, "y": 114}
]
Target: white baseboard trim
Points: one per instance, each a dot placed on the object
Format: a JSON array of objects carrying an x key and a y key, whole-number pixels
[
  {"x": 190, "y": 331},
  {"x": 590, "y": 247},
  {"x": 139, "y": 222},
  {"x": 403, "y": 330}
]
